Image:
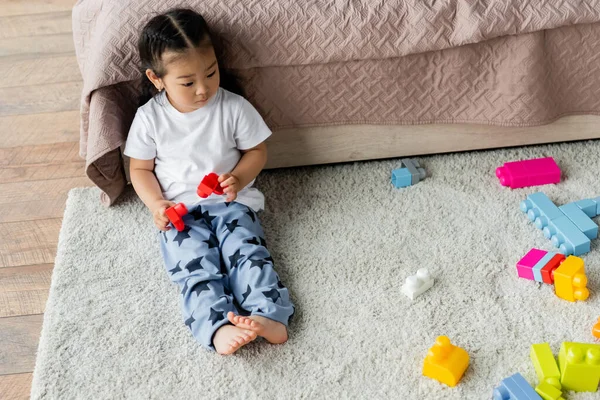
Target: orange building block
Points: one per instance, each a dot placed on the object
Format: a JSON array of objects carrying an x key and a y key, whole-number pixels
[
  {"x": 445, "y": 362},
  {"x": 570, "y": 281},
  {"x": 596, "y": 329}
]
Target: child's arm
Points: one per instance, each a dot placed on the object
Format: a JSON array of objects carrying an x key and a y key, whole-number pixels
[
  {"x": 252, "y": 162},
  {"x": 146, "y": 186}
]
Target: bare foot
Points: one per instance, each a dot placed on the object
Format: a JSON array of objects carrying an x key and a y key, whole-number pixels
[
  {"x": 229, "y": 338},
  {"x": 275, "y": 332}
]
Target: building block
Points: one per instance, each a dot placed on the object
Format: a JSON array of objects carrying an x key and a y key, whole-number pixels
[
  {"x": 529, "y": 260},
  {"x": 540, "y": 209},
  {"x": 545, "y": 364},
  {"x": 597, "y": 200},
  {"x": 515, "y": 387},
  {"x": 417, "y": 284},
  {"x": 548, "y": 392},
  {"x": 570, "y": 281},
  {"x": 401, "y": 177},
  {"x": 209, "y": 185},
  {"x": 579, "y": 366},
  {"x": 567, "y": 237},
  {"x": 596, "y": 329},
  {"x": 550, "y": 267},
  {"x": 537, "y": 268},
  {"x": 175, "y": 214},
  {"x": 538, "y": 171},
  {"x": 588, "y": 206},
  {"x": 580, "y": 219},
  {"x": 417, "y": 173},
  {"x": 445, "y": 362}
]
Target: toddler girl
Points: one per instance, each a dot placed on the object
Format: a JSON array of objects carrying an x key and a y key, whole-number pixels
[{"x": 191, "y": 127}]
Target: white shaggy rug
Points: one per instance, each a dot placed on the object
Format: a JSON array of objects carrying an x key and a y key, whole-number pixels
[{"x": 343, "y": 240}]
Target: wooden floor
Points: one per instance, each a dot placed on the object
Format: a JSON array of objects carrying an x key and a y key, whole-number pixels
[{"x": 40, "y": 85}]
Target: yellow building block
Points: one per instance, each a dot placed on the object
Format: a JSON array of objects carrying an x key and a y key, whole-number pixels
[
  {"x": 548, "y": 392},
  {"x": 445, "y": 362},
  {"x": 545, "y": 364},
  {"x": 579, "y": 366},
  {"x": 570, "y": 281}
]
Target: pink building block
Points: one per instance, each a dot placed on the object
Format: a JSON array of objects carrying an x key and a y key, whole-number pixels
[
  {"x": 518, "y": 174},
  {"x": 526, "y": 264}
]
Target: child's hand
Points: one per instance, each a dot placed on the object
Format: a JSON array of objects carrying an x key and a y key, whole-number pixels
[
  {"x": 158, "y": 212},
  {"x": 231, "y": 186}
]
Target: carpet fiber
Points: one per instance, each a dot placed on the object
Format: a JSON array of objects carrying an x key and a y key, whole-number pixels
[{"x": 343, "y": 240}]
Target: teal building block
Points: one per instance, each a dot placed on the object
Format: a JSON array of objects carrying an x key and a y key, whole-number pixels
[
  {"x": 537, "y": 268},
  {"x": 540, "y": 209},
  {"x": 401, "y": 177},
  {"x": 580, "y": 219},
  {"x": 588, "y": 206},
  {"x": 567, "y": 237}
]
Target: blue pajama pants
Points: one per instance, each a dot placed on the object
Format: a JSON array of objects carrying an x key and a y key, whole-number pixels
[{"x": 221, "y": 263}]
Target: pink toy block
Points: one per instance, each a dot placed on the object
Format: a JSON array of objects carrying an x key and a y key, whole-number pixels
[
  {"x": 518, "y": 174},
  {"x": 526, "y": 264}
]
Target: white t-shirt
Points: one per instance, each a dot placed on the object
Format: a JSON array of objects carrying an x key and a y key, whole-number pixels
[{"x": 188, "y": 146}]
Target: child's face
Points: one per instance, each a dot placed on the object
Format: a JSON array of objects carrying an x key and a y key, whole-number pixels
[{"x": 191, "y": 78}]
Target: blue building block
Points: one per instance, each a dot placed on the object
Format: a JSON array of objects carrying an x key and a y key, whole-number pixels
[
  {"x": 597, "y": 200},
  {"x": 515, "y": 387},
  {"x": 537, "y": 268},
  {"x": 540, "y": 209},
  {"x": 580, "y": 219},
  {"x": 567, "y": 237},
  {"x": 588, "y": 206},
  {"x": 401, "y": 177}
]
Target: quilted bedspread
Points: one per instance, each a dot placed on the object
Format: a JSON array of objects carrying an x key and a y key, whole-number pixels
[{"x": 318, "y": 62}]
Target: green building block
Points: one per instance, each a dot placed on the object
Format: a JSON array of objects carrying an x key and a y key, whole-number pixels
[
  {"x": 545, "y": 364},
  {"x": 548, "y": 392},
  {"x": 579, "y": 366}
]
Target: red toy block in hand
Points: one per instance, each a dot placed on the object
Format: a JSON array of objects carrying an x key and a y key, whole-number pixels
[
  {"x": 209, "y": 185},
  {"x": 175, "y": 215}
]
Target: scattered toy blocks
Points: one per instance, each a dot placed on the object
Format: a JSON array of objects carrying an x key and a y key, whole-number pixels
[
  {"x": 570, "y": 280},
  {"x": 515, "y": 387},
  {"x": 548, "y": 392},
  {"x": 175, "y": 214},
  {"x": 580, "y": 219},
  {"x": 445, "y": 362},
  {"x": 526, "y": 264},
  {"x": 518, "y": 174},
  {"x": 579, "y": 366},
  {"x": 408, "y": 174},
  {"x": 209, "y": 185},
  {"x": 596, "y": 329},
  {"x": 545, "y": 365},
  {"x": 417, "y": 284}
]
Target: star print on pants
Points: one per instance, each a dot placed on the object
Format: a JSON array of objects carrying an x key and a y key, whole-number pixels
[
  {"x": 272, "y": 294},
  {"x": 194, "y": 265},
  {"x": 232, "y": 225},
  {"x": 176, "y": 269},
  {"x": 233, "y": 260},
  {"x": 190, "y": 321},
  {"x": 216, "y": 316},
  {"x": 250, "y": 213},
  {"x": 181, "y": 236},
  {"x": 258, "y": 263},
  {"x": 212, "y": 241},
  {"x": 246, "y": 294},
  {"x": 200, "y": 287},
  {"x": 164, "y": 236},
  {"x": 185, "y": 288},
  {"x": 263, "y": 242},
  {"x": 253, "y": 241},
  {"x": 279, "y": 284}
]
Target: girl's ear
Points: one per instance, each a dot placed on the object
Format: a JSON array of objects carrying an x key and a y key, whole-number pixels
[{"x": 156, "y": 81}]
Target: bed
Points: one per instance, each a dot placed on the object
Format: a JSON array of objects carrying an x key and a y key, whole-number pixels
[{"x": 356, "y": 80}]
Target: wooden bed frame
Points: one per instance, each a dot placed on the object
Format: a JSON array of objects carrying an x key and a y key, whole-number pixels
[{"x": 332, "y": 144}]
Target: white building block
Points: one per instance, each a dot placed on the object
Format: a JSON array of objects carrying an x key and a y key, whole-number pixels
[{"x": 417, "y": 284}]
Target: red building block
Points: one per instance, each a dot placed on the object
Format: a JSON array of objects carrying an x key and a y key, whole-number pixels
[
  {"x": 175, "y": 215},
  {"x": 548, "y": 270},
  {"x": 209, "y": 185}
]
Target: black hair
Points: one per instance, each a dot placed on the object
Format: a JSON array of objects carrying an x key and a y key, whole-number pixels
[{"x": 176, "y": 30}]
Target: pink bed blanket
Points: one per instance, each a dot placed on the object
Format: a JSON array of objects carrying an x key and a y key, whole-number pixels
[{"x": 307, "y": 63}]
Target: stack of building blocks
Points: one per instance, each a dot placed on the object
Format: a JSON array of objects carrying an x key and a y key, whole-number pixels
[
  {"x": 579, "y": 365},
  {"x": 408, "y": 174},
  {"x": 547, "y": 371},
  {"x": 567, "y": 274},
  {"x": 417, "y": 284},
  {"x": 569, "y": 227},
  {"x": 519, "y": 174},
  {"x": 445, "y": 362},
  {"x": 515, "y": 387}
]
